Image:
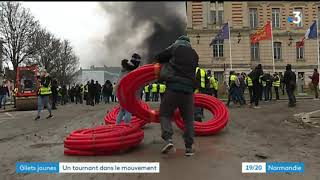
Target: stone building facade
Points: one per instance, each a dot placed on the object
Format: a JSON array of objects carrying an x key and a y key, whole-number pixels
[{"x": 205, "y": 19}]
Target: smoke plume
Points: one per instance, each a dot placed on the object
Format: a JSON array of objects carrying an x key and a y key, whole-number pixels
[{"x": 142, "y": 27}]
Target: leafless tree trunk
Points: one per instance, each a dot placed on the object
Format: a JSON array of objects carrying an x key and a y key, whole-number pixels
[
  {"x": 66, "y": 65},
  {"x": 18, "y": 28}
]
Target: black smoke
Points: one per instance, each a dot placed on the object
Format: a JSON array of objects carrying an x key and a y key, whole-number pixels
[{"x": 143, "y": 27}]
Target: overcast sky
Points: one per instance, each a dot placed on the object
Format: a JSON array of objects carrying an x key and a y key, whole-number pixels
[{"x": 83, "y": 23}]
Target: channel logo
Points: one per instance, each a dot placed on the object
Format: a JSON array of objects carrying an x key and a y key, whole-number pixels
[{"x": 296, "y": 19}]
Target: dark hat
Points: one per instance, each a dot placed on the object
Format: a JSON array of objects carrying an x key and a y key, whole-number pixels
[{"x": 136, "y": 56}]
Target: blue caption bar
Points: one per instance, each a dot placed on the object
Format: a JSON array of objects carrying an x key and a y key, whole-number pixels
[
  {"x": 37, "y": 167},
  {"x": 284, "y": 167}
]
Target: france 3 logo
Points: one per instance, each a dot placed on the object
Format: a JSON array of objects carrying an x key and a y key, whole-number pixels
[{"x": 296, "y": 19}]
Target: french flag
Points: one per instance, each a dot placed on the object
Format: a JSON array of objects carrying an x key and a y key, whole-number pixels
[{"x": 311, "y": 33}]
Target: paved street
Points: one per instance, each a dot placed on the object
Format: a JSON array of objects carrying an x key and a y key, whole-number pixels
[{"x": 263, "y": 135}]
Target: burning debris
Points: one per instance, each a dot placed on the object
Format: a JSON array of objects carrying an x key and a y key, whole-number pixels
[{"x": 143, "y": 27}]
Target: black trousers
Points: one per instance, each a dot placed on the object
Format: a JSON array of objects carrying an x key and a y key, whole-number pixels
[
  {"x": 291, "y": 96},
  {"x": 147, "y": 96},
  {"x": 171, "y": 101},
  {"x": 257, "y": 89},
  {"x": 276, "y": 90},
  {"x": 250, "y": 89},
  {"x": 54, "y": 101},
  {"x": 267, "y": 93},
  {"x": 161, "y": 96}
]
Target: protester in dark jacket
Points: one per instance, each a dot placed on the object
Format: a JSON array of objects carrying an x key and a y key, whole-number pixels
[
  {"x": 64, "y": 94},
  {"x": 290, "y": 82},
  {"x": 179, "y": 91},
  {"x": 4, "y": 91},
  {"x": 255, "y": 76},
  {"x": 54, "y": 89},
  {"x": 315, "y": 82},
  {"x": 92, "y": 92},
  {"x": 98, "y": 92},
  {"x": 107, "y": 91}
]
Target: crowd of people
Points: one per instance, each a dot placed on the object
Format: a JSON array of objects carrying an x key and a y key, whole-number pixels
[
  {"x": 174, "y": 92},
  {"x": 92, "y": 93}
]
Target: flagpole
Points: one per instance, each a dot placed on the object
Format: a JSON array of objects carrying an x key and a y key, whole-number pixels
[
  {"x": 230, "y": 46},
  {"x": 317, "y": 20},
  {"x": 272, "y": 50}
]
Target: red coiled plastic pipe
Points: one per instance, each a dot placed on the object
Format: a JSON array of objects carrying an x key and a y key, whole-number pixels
[
  {"x": 138, "y": 78},
  {"x": 103, "y": 140}
]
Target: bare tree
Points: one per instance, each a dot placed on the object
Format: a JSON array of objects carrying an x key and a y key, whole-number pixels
[
  {"x": 66, "y": 65},
  {"x": 48, "y": 52},
  {"x": 18, "y": 28}
]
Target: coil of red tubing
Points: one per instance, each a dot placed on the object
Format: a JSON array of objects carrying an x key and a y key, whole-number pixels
[
  {"x": 103, "y": 140},
  {"x": 111, "y": 117},
  {"x": 141, "y": 76}
]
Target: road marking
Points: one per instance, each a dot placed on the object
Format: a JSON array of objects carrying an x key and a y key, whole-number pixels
[{"x": 10, "y": 115}]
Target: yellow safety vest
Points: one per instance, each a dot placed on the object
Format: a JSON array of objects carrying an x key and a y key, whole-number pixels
[
  {"x": 146, "y": 88},
  {"x": 276, "y": 83},
  {"x": 15, "y": 91},
  {"x": 162, "y": 88},
  {"x": 154, "y": 88},
  {"x": 213, "y": 83},
  {"x": 86, "y": 90},
  {"x": 233, "y": 78},
  {"x": 202, "y": 75},
  {"x": 82, "y": 89},
  {"x": 45, "y": 90},
  {"x": 249, "y": 81},
  {"x": 262, "y": 82}
]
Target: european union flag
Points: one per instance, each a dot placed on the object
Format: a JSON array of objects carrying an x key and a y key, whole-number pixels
[{"x": 223, "y": 34}]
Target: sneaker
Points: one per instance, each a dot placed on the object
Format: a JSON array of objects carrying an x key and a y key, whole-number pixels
[
  {"x": 50, "y": 116},
  {"x": 256, "y": 107},
  {"x": 189, "y": 152},
  {"x": 38, "y": 117},
  {"x": 167, "y": 147}
]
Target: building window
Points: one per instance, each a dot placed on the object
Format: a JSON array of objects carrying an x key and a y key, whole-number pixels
[
  {"x": 318, "y": 17},
  {"x": 255, "y": 51},
  {"x": 253, "y": 14},
  {"x": 218, "y": 49},
  {"x": 275, "y": 18},
  {"x": 277, "y": 51},
  {"x": 216, "y": 13},
  {"x": 301, "y": 15},
  {"x": 212, "y": 17},
  {"x": 220, "y": 17},
  {"x": 300, "y": 51}
]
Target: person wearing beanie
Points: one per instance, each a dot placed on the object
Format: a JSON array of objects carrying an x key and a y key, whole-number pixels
[{"x": 179, "y": 91}]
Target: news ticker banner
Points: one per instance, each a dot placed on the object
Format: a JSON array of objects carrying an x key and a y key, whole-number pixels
[
  {"x": 272, "y": 167},
  {"x": 87, "y": 167}
]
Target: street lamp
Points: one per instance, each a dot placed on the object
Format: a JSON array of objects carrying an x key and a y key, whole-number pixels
[
  {"x": 290, "y": 39},
  {"x": 239, "y": 37},
  {"x": 198, "y": 38}
]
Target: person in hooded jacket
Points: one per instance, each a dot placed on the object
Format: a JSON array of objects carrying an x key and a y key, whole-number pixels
[
  {"x": 257, "y": 87},
  {"x": 179, "y": 91},
  {"x": 289, "y": 79}
]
